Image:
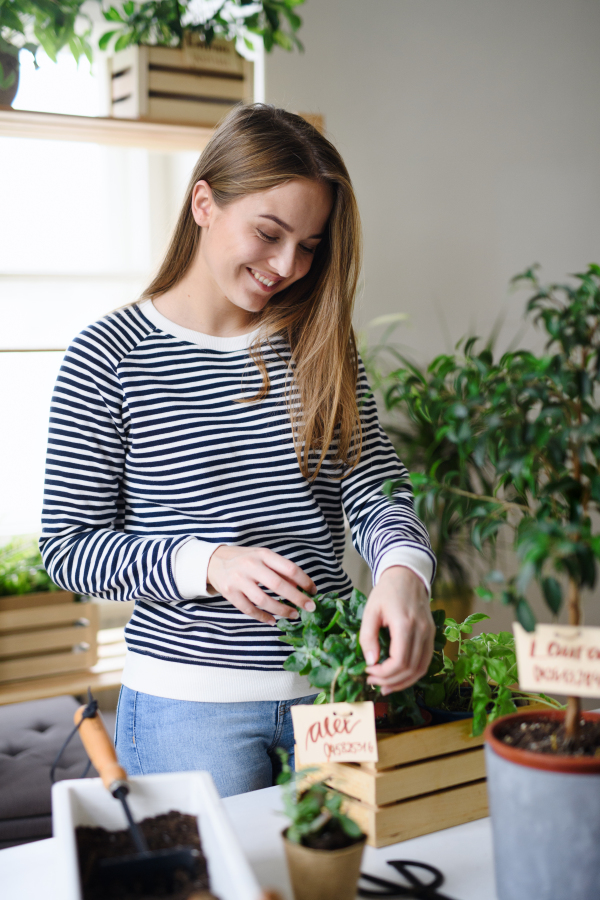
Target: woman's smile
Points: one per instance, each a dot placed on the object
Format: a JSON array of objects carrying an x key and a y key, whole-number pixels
[{"x": 264, "y": 281}]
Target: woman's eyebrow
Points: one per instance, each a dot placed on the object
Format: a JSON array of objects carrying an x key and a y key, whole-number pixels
[{"x": 287, "y": 227}]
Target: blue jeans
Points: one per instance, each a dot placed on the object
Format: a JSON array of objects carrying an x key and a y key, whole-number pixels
[{"x": 235, "y": 742}]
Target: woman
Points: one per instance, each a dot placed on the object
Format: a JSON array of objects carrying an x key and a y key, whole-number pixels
[{"x": 204, "y": 445}]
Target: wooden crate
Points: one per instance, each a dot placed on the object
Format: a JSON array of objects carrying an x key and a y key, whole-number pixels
[
  {"x": 425, "y": 780},
  {"x": 46, "y": 634},
  {"x": 189, "y": 85}
]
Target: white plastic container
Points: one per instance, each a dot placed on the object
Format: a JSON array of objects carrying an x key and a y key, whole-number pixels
[{"x": 87, "y": 802}]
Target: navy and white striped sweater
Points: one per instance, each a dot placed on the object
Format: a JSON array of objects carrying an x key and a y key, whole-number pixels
[{"x": 149, "y": 454}]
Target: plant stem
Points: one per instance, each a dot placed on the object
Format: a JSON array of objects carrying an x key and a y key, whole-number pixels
[
  {"x": 333, "y": 681},
  {"x": 573, "y": 715},
  {"x": 505, "y": 503}
]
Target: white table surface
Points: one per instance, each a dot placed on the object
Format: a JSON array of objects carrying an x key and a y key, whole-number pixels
[{"x": 463, "y": 854}]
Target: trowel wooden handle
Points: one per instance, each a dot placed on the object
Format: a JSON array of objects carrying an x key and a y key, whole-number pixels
[{"x": 100, "y": 750}]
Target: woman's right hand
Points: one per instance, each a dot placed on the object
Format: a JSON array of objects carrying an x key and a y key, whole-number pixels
[{"x": 237, "y": 572}]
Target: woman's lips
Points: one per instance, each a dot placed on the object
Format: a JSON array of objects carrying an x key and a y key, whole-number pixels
[{"x": 268, "y": 288}]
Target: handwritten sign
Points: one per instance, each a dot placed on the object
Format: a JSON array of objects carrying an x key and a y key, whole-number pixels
[
  {"x": 559, "y": 659},
  {"x": 335, "y": 732}
]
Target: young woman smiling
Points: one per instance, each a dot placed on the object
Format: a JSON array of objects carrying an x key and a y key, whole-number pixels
[{"x": 204, "y": 445}]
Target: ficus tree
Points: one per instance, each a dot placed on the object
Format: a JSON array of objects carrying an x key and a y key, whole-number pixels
[{"x": 526, "y": 433}]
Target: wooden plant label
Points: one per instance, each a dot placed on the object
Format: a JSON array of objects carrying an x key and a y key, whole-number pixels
[
  {"x": 559, "y": 659},
  {"x": 335, "y": 732}
]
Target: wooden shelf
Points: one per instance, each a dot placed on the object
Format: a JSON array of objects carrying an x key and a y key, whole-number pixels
[{"x": 116, "y": 132}]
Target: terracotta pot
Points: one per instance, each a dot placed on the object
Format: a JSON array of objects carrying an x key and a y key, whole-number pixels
[
  {"x": 324, "y": 874},
  {"x": 10, "y": 65},
  {"x": 545, "y": 813}
]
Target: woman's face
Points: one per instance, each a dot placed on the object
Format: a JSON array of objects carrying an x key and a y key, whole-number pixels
[{"x": 262, "y": 243}]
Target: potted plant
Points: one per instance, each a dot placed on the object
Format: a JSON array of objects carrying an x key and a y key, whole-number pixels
[
  {"x": 479, "y": 681},
  {"x": 425, "y": 778},
  {"x": 323, "y": 846},
  {"x": 43, "y": 631},
  {"x": 531, "y": 423},
  {"x": 417, "y": 399},
  {"x": 31, "y": 24}
]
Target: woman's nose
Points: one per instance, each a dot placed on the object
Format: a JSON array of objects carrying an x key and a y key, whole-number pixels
[{"x": 284, "y": 260}]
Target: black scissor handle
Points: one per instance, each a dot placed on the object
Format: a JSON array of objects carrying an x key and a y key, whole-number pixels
[
  {"x": 403, "y": 866},
  {"x": 420, "y": 890}
]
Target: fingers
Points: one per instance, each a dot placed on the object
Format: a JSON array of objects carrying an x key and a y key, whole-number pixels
[
  {"x": 411, "y": 648},
  {"x": 241, "y": 602},
  {"x": 290, "y": 573},
  {"x": 369, "y": 635}
]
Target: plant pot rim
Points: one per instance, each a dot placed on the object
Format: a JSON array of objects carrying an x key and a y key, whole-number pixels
[
  {"x": 340, "y": 851},
  {"x": 549, "y": 762}
]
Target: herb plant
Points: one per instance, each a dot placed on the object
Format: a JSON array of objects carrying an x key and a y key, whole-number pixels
[
  {"x": 22, "y": 570},
  {"x": 327, "y": 650},
  {"x": 484, "y": 675},
  {"x": 314, "y": 810},
  {"x": 166, "y": 21}
]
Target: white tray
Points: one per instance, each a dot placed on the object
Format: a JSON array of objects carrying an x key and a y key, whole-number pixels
[{"x": 87, "y": 802}]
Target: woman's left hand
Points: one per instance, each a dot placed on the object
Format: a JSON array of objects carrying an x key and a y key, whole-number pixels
[{"x": 400, "y": 602}]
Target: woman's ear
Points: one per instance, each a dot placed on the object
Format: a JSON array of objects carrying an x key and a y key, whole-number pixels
[{"x": 202, "y": 203}]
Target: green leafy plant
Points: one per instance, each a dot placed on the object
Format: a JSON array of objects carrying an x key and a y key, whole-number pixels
[
  {"x": 166, "y": 21},
  {"x": 327, "y": 650},
  {"x": 22, "y": 570},
  {"x": 315, "y": 810},
  {"x": 482, "y": 679},
  {"x": 50, "y": 24},
  {"x": 526, "y": 428}
]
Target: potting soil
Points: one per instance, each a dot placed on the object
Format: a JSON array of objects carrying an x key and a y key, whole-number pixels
[
  {"x": 332, "y": 837},
  {"x": 549, "y": 737},
  {"x": 164, "y": 832}
]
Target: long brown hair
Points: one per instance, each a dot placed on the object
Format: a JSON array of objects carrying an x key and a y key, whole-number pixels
[{"x": 258, "y": 147}]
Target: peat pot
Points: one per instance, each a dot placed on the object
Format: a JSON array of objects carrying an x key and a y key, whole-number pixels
[
  {"x": 323, "y": 874},
  {"x": 545, "y": 813}
]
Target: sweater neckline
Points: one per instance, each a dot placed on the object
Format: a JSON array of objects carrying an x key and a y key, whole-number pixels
[{"x": 206, "y": 341}]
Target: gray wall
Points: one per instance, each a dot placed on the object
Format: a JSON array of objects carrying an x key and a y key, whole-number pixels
[{"x": 471, "y": 129}]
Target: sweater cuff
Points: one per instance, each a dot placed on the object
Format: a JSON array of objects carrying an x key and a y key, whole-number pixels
[
  {"x": 191, "y": 567},
  {"x": 418, "y": 561}
]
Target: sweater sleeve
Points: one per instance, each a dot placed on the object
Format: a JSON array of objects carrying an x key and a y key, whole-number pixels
[
  {"x": 385, "y": 532},
  {"x": 82, "y": 547}
]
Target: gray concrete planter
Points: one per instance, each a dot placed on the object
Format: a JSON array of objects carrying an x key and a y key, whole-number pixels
[{"x": 545, "y": 819}]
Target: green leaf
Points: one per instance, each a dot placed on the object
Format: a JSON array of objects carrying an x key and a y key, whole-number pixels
[
  {"x": 295, "y": 662},
  {"x": 496, "y": 670},
  {"x": 106, "y": 38},
  {"x": 552, "y": 594},
  {"x": 322, "y": 676},
  {"x": 525, "y": 615},
  {"x": 474, "y": 618}
]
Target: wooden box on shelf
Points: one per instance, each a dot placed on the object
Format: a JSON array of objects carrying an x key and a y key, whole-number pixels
[
  {"x": 46, "y": 634},
  {"x": 193, "y": 84}
]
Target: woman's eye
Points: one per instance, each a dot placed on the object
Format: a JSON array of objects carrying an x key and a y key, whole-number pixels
[
  {"x": 310, "y": 250},
  {"x": 266, "y": 237}
]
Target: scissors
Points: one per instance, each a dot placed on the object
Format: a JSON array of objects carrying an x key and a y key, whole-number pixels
[{"x": 420, "y": 890}]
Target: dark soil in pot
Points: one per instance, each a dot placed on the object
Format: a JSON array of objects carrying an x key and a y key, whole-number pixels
[
  {"x": 173, "y": 829},
  {"x": 549, "y": 736},
  {"x": 386, "y": 724},
  {"x": 333, "y": 837}
]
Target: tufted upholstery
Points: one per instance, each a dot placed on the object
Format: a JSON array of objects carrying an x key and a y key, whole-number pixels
[{"x": 31, "y": 735}]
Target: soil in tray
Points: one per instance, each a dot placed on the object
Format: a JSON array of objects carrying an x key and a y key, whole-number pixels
[
  {"x": 549, "y": 737},
  {"x": 173, "y": 829}
]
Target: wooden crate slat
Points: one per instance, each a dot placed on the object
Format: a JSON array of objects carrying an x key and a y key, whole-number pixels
[
  {"x": 407, "y": 819},
  {"x": 195, "y": 85},
  {"x": 60, "y": 614},
  {"x": 422, "y": 743},
  {"x": 186, "y": 111},
  {"x": 380, "y": 788},
  {"x": 40, "y": 598},
  {"x": 219, "y": 57},
  {"x": 50, "y": 664},
  {"x": 30, "y": 642}
]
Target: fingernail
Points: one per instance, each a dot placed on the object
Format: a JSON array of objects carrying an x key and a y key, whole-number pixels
[
  {"x": 310, "y": 606},
  {"x": 295, "y": 614},
  {"x": 385, "y": 691},
  {"x": 370, "y": 658}
]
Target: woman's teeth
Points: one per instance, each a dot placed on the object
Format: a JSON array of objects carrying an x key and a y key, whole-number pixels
[{"x": 262, "y": 279}]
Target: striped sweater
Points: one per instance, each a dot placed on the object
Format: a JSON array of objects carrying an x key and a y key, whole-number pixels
[{"x": 151, "y": 465}]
